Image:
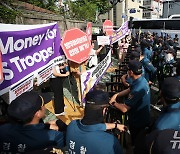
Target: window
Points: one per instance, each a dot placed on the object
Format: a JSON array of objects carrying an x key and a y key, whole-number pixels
[{"x": 171, "y": 6}]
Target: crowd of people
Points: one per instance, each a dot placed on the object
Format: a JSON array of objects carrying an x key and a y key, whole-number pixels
[{"x": 152, "y": 59}]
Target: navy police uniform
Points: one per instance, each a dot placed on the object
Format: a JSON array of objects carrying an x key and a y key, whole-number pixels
[
  {"x": 91, "y": 139},
  {"x": 15, "y": 138},
  {"x": 150, "y": 70},
  {"x": 139, "y": 102},
  {"x": 147, "y": 53},
  {"x": 170, "y": 118}
]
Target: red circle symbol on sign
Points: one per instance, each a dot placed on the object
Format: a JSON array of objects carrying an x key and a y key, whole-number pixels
[
  {"x": 108, "y": 27},
  {"x": 76, "y": 45}
]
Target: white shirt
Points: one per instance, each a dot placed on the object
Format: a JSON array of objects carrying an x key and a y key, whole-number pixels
[
  {"x": 93, "y": 60},
  {"x": 56, "y": 67}
]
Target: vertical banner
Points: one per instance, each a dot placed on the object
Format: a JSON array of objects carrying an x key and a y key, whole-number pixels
[
  {"x": 28, "y": 51},
  {"x": 120, "y": 33},
  {"x": 1, "y": 71},
  {"x": 92, "y": 76}
]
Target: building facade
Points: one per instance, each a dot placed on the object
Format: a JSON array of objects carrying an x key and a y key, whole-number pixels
[
  {"x": 152, "y": 9},
  {"x": 123, "y": 10},
  {"x": 171, "y": 8}
]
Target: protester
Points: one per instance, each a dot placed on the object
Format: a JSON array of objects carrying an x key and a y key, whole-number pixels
[
  {"x": 88, "y": 134},
  {"x": 93, "y": 59},
  {"x": 170, "y": 117},
  {"x": 137, "y": 104},
  {"x": 123, "y": 46},
  {"x": 76, "y": 71},
  {"x": 56, "y": 83},
  {"x": 25, "y": 132}
]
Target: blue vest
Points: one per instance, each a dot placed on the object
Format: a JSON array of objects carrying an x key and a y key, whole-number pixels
[{"x": 91, "y": 139}]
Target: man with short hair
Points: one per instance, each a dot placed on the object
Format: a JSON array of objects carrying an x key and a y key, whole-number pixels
[
  {"x": 88, "y": 134},
  {"x": 27, "y": 133}
]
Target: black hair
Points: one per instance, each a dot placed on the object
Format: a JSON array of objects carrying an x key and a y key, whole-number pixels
[{"x": 61, "y": 64}]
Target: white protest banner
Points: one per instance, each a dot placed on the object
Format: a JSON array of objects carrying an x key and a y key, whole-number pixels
[
  {"x": 92, "y": 76},
  {"x": 103, "y": 40},
  {"x": 20, "y": 88}
]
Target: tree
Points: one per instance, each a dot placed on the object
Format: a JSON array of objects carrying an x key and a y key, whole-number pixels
[
  {"x": 7, "y": 12},
  {"x": 87, "y": 9},
  {"x": 46, "y": 4}
]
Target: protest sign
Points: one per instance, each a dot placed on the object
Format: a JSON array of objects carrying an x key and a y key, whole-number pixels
[
  {"x": 20, "y": 88},
  {"x": 120, "y": 33},
  {"x": 103, "y": 40},
  {"x": 26, "y": 51},
  {"x": 108, "y": 27},
  {"x": 89, "y": 31},
  {"x": 92, "y": 76},
  {"x": 76, "y": 45}
]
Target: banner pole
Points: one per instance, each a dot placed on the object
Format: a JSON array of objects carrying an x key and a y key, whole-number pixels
[{"x": 74, "y": 108}]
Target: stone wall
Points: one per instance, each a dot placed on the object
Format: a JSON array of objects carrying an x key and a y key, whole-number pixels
[{"x": 33, "y": 17}]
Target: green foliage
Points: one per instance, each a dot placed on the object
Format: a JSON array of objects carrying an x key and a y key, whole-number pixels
[
  {"x": 88, "y": 9},
  {"x": 46, "y": 4},
  {"x": 7, "y": 15}
]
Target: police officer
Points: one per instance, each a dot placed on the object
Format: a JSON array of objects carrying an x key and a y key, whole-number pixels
[
  {"x": 170, "y": 117},
  {"x": 26, "y": 133},
  {"x": 149, "y": 70},
  {"x": 126, "y": 80},
  {"x": 147, "y": 52},
  {"x": 137, "y": 103},
  {"x": 88, "y": 134}
]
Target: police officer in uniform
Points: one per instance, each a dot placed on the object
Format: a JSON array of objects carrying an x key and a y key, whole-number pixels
[
  {"x": 88, "y": 135},
  {"x": 149, "y": 70},
  {"x": 137, "y": 103},
  {"x": 170, "y": 117},
  {"x": 26, "y": 133}
]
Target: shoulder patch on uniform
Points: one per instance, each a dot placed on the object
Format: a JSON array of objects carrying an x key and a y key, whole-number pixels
[{"x": 130, "y": 96}]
